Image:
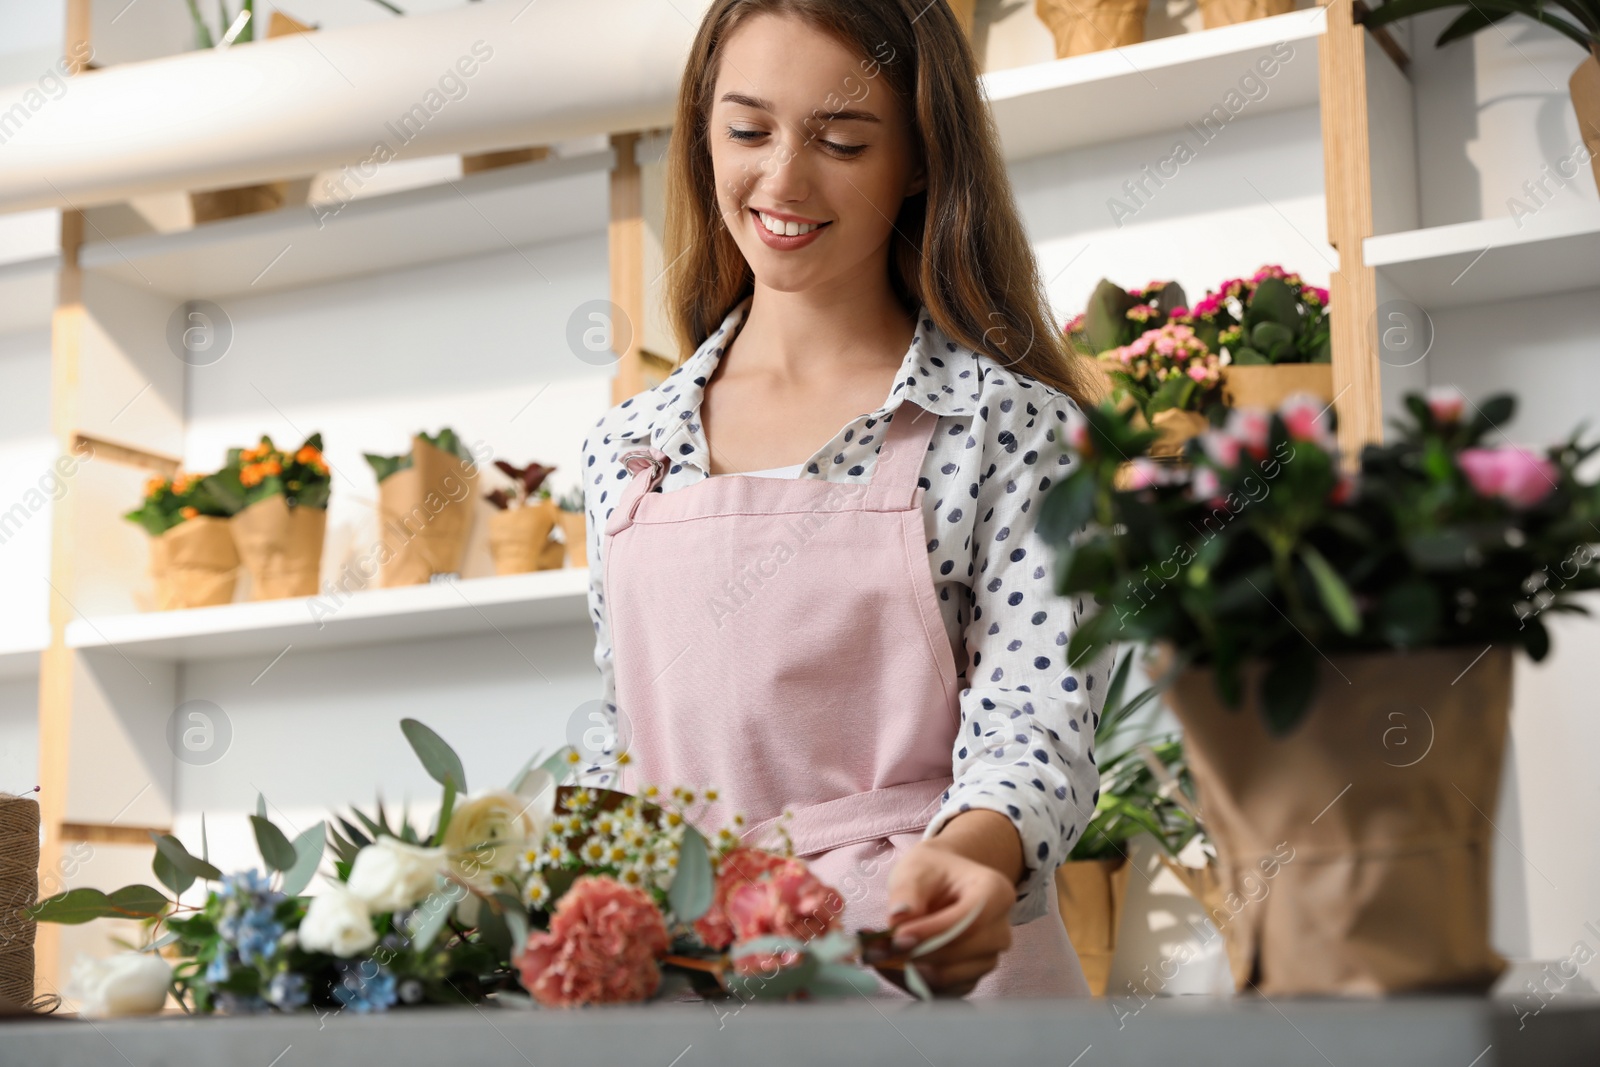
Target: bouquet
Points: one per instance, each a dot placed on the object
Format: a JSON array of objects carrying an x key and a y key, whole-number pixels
[
  {"x": 520, "y": 525},
  {"x": 279, "y": 502},
  {"x": 1268, "y": 550},
  {"x": 554, "y": 895}
]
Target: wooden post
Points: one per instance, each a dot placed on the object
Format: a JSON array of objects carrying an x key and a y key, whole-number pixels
[
  {"x": 1347, "y": 166},
  {"x": 626, "y": 241}
]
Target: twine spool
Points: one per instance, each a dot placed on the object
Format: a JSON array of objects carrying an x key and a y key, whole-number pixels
[{"x": 19, "y": 891}]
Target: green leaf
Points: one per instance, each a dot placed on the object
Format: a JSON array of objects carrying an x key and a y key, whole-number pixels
[
  {"x": 1336, "y": 596},
  {"x": 308, "y": 849},
  {"x": 1287, "y": 689},
  {"x": 276, "y": 851},
  {"x": 438, "y": 758},
  {"x": 762, "y": 986},
  {"x": 72, "y": 907},
  {"x": 691, "y": 891},
  {"x": 1248, "y": 357},
  {"x": 916, "y": 983},
  {"x": 138, "y": 901},
  {"x": 841, "y": 980},
  {"x": 1468, "y": 24},
  {"x": 1274, "y": 302},
  {"x": 1535, "y": 640},
  {"x": 261, "y": 806},
  {"x": 557, "y": 764},
  {"x": 1409, "y": 614},
  {"x": 446, "y": 810},
  {"x": 435, "y": 910},
  {"x": 1105, "y": 319},
  {"x": 1271, "y": 339},
  {"x": 169, "y": 875},
  {"x": 173, "y": 849}
]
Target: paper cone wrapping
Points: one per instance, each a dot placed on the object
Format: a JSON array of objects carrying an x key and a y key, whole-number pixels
[
  {"x": 1175, "y": 427},
  {"x": 1354, "y": 854},
  {"x": 1216, "y": 13},
  {"x": 552, "y": 555},
  {"x": 1585, "y": 89},
  {"x": 575, "y": 527},
  {"x": 1081, "y": 26},
  {"x": 194, "y": 564},
  {"x": 19, "y": 891},
  {"x": 519, "y": 538},
  {"x": 1091, "y": 894},
  {"x": 1267, "y": 386},
  {"x": 281, "y": 547},
  {"x": 426, "y": 516}
]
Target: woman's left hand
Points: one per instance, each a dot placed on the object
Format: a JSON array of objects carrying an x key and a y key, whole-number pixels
[{"x": 932, "y": 887}]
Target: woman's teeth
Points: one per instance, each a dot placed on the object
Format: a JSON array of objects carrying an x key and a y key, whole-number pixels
[{"x": 781, "y": 228}]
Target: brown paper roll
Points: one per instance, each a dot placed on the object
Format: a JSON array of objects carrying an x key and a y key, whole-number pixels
[
  {"x": 518, "y": 537},
  {"x": 1268, "y": 386},
  {"x": 1354, "y": 853},
  {"x": 194, "y": 564},
  {"x": 1091, "y": 894},
  {"x": 425, "y": 512},
  {"x": 281, "y": 547}
]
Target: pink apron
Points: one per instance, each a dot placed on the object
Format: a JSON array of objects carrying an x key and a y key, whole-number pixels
[{"x": 781, "y": 641}]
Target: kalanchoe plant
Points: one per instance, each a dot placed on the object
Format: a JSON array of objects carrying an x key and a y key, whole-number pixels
[
  {"x": 254, "y": 474},
  {"x": 445, "y": 440},
  {"x": 169, "y": 501},
  {"x": 1264, "y": 550},
  {"x": 1271, "y": 317},
  {"x": 1116, "y": 316},
  {"x": 527, "y": 483}
]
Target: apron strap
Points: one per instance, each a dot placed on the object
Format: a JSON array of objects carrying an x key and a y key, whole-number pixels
[
  {"x": 846, "y": 820},
  {"x": 904, "y": 447},
  {"x": 648, "y": 466}
]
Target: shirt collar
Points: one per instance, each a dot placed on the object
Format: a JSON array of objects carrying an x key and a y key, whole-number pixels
[{"x": 939, "y": 374}]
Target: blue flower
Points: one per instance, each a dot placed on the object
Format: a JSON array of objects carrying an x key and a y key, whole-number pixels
[
  {"x": 246, "y": 883},
  {"x": 218, "y": 970},
  {"x": 361, "y": 993},
  {"x": 287, "y": 991},
  {"x": 258, "y": 934}
]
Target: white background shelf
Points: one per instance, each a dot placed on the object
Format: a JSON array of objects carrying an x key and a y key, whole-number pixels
[
  {"x": 1488, "y": 260},
  {"x": 20, "y": 659},
  {"x": 1154, "y": 86},
  {"x": 28, "y": 293},
  {"x": 374, "y": 616}
]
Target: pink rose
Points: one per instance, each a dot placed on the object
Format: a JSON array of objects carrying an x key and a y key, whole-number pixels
[
  {"x": 1445, "y": 404},
  {"x": 1519, "y": 477},
  {"x": 601, "y": 948},
  {"x": 1304, "y": 416}
]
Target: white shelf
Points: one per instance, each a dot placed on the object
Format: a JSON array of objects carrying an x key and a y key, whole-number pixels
[
  {"x": 1153, "y": 86},
  {"x": 1492, "y": 259},
  {"x": 374, "y": 616},
  {"x": 28, "y": 293},
  {"x": 20, "y": 659},
  {"x": 499, "y": 209}
]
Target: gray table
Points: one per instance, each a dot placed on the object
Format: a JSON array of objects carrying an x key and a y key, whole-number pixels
[{"x": 1192, "y": 1032}]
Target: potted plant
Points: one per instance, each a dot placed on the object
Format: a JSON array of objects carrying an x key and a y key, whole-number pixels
[
  {"x": 1578, "y": 20},
  {"x": 1274, "y": 334},
  {"x": 1215, "y": 13},
  {"x": 424, "y": 508},
  {"x": 279, "y": 502},
  {"x": 192, "y": 555},
  {"x": 520, "y": 525},
  {"x": 574, "y": 526},
  {"x": 1145, "y": 344},
  {"x": 1081, "y": 26},
  {"x": 1316, "y": 620}
]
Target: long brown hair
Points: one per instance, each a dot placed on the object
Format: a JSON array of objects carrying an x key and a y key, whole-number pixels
[{"x": 958, "y": 246}]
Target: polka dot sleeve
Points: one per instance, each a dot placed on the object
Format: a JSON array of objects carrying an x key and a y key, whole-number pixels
[
  {"x": 1025, "y": 747},
  {"x": 598, "y": 769}
]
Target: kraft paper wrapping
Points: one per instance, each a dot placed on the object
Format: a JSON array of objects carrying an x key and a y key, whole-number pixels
[
  {"x": 1091, "y": 894},
  {"x": 575, "y": 527},
  {"x": 19, "y": 891},
  {"x": 1175, "y": 427},
  {"x": 1081, "y": 26},
  {"x": 194, "y": 564},
  {"x": 1216, "y": 13},
  {"x": 1354, "y": 853},
  {"x": 1585, "y": 89},
  {"x": 1268, "y": 386},
  {"x": 425, "y": 513},
  {"x": 281, "y": 547},
  {"x": 519, "y": 538}
]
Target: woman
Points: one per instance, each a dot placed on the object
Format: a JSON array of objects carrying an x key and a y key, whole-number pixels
[{"x": 863, "y": 633}]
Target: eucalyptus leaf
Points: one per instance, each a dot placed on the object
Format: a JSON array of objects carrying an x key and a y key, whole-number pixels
[
  {"x": 169, "y": 875},
  {"x": 72, "y": 907},
  {"x": 690, "y": 893},
  {"x": 138, "y": 901},
  {"x": 180, "y": 858},
  {"x": 944, "y": 937},
  {"x": 276, "y": 851},
  {"x": 438, "y": 758},
  {"x": 916, "y": 983},
  {"x": 308, "y": 849}
]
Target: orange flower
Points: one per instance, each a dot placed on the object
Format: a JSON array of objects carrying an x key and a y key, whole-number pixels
[
  {"x": 250, "y": 475},
  {"x": 308, "y": 456},
  {"x": 152, "y": 486},
  {"x": 189, "y": 512},
  {"x": 181, "y": 483},
  {"x": 271, "y": 466}
]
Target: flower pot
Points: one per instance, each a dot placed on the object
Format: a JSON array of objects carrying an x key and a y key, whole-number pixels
[
  {"x": 1355, "y": 851},
  {"x": 575, "y": 527},
  {"x": 1585, "y": 88},
  {"x": 194, "y": 564},
  {"x": 1082, "y": 26},
  {"x": 519, "y": 537},
  {"x": 19, "y": 890},
  {"x": 1214, "y": 13},
  {"x": 1091, "y": 894},
  {"x": 1266, "y": 386},
  {"x": 281, "y": 547},
  {"x": 425, "y": 513}
]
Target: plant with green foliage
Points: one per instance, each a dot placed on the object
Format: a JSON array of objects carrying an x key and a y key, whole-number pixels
[
  {"x": 1577, "y": 20},
  {"x": 170, "y": 501},
  {"x": 1264, "y": 550},
  {"x": 446, "y": 440},
  {"x": 251, "y": 475},
  {"x": 204, "y": 38},
  {"x": 1271, "y": 317}
]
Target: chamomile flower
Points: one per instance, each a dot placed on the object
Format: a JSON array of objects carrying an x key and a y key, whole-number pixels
[
  {"x": 580, "y": 799},
  {"x": 616, "y": 854},
  {"x": 556, "y": 854},
  {"x": 536, "y": 892},
  {"x": 593, "y": 851}
]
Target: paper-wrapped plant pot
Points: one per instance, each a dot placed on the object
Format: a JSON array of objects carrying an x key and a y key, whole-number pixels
[
  {"x": 19, "y": 891},
  {"x": 194, "y": 564},
  {"x": 1268, "y": 385},
  {"x": 1355, "y": 851},
  {"x": 1214, "y": 13},
  {"x": 281, "y": 547},
  {"x": 519, "y": 537},
  {"x": 575, "y": 527},
  {"x": 1083, "y": 26},
  {"x": 1585, "y": 89},
  {"x": 425, "y": 515},
  {"x": 1091, "y": 894}
]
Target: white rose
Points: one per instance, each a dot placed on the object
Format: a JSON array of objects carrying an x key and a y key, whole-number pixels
[
  {"x": 133, "y": 983},
  {"x": 337, "y": 922},
  {"x": 390, "y": 874},
  {"x": 489, "y": 833}
]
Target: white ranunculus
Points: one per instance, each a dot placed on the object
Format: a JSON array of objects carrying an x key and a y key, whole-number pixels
[
  {"x": 132, "y": 983},
  {"x": 489, "y": 833},
  {"x": 337, "y": 922},
  {"x": 390, "y": 874}
]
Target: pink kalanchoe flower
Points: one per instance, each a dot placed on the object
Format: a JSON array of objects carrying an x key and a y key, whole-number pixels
[
  {"x": 1446, "y": 404},
  {"x": 1199, "y": 372},
  {"x": 1516, "y": 475},
  {"x": 1207, "y": 306},
  {"x": 1221, "y": 448},
  {"x": 1251, "y": 428},
  {"x": 1305, "y": 417},
  {"x": 602, "y": 946},
  {"x": 1314, "y": 294},
  {"x": 1271, "y": 270}
]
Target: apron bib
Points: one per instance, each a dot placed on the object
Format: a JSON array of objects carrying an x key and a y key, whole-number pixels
[{"x": 780, "y": 640}]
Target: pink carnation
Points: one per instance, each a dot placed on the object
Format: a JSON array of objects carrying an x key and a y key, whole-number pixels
[
  {"x": 1519, "y": 477},
  {"x": 758, "y": 894},
  {"x": 601, "y": 948}
]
